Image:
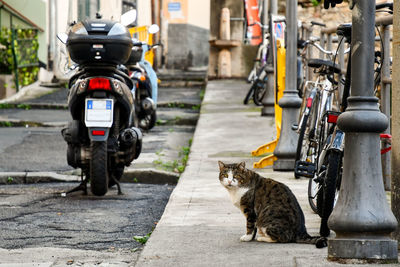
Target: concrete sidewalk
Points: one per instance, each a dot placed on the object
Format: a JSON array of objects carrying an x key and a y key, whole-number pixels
[{"x": 200, "y": 226}]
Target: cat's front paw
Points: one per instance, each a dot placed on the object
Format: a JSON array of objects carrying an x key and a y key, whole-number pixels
[{"x": 246, "y": 238}]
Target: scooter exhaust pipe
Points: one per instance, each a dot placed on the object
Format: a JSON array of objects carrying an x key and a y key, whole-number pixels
[
  {"x": 131, "y": 138},
  {"x": 148, "y": 105}
]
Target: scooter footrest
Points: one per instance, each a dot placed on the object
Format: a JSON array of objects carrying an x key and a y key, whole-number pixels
[{"x": 305, "y": 169}]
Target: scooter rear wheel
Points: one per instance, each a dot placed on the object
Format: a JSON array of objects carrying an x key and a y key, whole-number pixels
[{"x": 98, "y": 168}]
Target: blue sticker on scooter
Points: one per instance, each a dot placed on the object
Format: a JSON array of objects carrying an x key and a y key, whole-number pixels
[
  {"x": 90, "y": 104},
  {"x": 108, "y": 105}
]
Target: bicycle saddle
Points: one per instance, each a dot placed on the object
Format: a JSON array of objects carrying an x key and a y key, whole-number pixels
[
  {"x": 318, "y": 63},
  {"x": 345, "y": 31}
]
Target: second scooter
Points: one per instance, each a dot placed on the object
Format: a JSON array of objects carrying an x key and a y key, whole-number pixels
[{"x": 146, "y": 89}]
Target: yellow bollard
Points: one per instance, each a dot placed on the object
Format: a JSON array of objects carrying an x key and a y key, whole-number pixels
[{"x": 280, "y": 77}]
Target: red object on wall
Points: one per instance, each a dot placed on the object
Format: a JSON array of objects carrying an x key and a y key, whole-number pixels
[{"x": 254, "y": 32}]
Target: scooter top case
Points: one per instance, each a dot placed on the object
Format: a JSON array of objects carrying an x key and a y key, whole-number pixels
[{"x": 99, "y": 41}]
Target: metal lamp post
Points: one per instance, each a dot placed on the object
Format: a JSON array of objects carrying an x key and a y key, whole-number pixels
[
  {"x": 362, "y": 219},
  {"x": 290, "y": 102}
]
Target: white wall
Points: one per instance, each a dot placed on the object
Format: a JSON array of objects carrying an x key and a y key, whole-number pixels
[
  {"x": 199, "y": 13},
  {"x": 111, "y": 9},
  {"x": 144, "y": 12}
]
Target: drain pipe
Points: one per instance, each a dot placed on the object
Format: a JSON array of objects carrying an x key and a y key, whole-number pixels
[
  {"x": 52, "y": 36},
  {"x": 52, "y": 48}
]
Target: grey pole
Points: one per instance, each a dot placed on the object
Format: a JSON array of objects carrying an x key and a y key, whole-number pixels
[
  {"x": 268, "y": 100},
  {"x": 362, "y": 219},
  {"x": 274, "y": 7},
  {"x": 290, "y": 102}
]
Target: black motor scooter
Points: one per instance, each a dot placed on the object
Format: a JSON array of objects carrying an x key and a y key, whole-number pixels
[{"x": 101, "y": 138}]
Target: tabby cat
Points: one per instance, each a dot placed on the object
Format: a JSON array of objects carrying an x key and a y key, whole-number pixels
[{"x": 269, "y": 206}]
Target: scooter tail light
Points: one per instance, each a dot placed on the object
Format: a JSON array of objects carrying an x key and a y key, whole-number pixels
[
  {"x": 99, "y": 84},
  {"x": 332, "y": 118},
  {"x": 142, "y": 78},
  {"x": 98, "y": 133}
]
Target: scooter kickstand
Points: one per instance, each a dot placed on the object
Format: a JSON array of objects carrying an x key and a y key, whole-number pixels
[
  {"x": 81, "y": 187},
  {"x": 118, "y": 185}
]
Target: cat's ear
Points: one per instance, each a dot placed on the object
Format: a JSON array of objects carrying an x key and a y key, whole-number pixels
[
  {"x": 221, "y": 165},
  {"x": 242, "y": 166}
]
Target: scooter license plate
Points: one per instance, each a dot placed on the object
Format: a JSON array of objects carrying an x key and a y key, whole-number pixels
[{"x": 99, "y": 112}]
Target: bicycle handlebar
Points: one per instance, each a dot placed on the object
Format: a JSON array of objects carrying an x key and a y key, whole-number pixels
[{"x": 314, "y": 23}]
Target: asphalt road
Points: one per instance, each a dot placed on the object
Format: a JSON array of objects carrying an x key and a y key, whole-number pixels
[{"x": 35, "y": 215}]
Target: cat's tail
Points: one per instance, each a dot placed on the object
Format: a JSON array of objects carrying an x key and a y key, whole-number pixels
[{"x": 318, "y": 241}]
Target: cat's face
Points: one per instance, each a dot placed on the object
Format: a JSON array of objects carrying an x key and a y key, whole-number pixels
[{"x": 232, "y": 175}]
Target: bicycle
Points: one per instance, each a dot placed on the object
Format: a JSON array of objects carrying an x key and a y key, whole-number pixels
[
  {"x": 315, "y": 123},
  {"x": 325, "y": 182},
  {"x": 330, "y": 178},
  {"x": 258, "y": 75}
]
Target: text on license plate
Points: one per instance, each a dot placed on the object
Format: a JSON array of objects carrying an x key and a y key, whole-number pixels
[{"x": 99, "y": 112}]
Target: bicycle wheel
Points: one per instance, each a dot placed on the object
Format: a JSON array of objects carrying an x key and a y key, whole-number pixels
[
  {"x": 249, "y": 94},
  {"x": 300, "y": 152},
  {"x": 259, "y": 92},
  {"x": 305, "y": 152},
  {"x": 302, "y": 145},
  {"x": 331, "y": 185},
  {"x": 315, "y": 191}
]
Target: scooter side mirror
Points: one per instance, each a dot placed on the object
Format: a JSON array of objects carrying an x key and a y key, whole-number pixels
[
  {"x": 128, "y": 17},
  {"x": 153, "y": 29},
  {"x": 63, "y": 37}
]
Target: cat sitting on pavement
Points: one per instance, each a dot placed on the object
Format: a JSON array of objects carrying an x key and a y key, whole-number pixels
[{"x": 269, "y": 206}]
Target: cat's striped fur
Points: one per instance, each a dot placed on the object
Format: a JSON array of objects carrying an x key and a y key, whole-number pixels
[{"x": 269, "y": 206}]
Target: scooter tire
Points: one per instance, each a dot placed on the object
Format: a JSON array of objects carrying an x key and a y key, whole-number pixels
[
  {"x": 148, "y": 122},
  {"x": 98, "y": 168}
]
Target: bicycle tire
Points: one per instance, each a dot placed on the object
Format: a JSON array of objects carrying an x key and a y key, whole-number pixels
[
  {"x": 330, "y": 185},
  {"x": 300, "y": 140},
  {"x": 249, "y": 94},
  {"x": 313, "y": 195},
  {"x": 314, "y": 189},
  {"x": 302, "y": 132},
  {"x": 258, "y": 94}
]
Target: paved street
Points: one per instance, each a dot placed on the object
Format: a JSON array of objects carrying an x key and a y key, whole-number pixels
[
  {"x": 199, "y": 226},
  {"x": 35, "y": 217}
]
